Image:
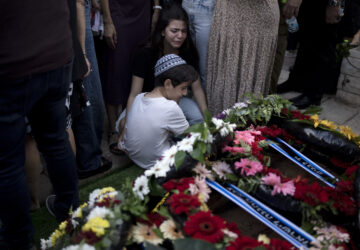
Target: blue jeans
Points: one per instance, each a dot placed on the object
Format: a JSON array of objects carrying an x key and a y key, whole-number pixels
[
  {"x": 88, "y": 127},
  {"x": 191, "y": 110},
  {"x": 41, "y": 98},
  {"x": 200, "y": 13}
]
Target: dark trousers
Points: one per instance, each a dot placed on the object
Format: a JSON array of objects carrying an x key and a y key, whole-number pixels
[
  {"x": 42, "y": 99},
  {"x": 315, "y": 66}
]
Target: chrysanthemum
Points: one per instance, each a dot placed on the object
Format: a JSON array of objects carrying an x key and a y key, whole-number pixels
[
  {"x": 205, "y": 226},
  {"x": 248, "y": 167},
  {"x": 271, "y": 179},
  {"x": 170, "y": 230},
  {"x": 141, "y": 187},
  {"x": 287, "y": 188},
  {"x": 221, "y": 169},
  {"x": 142, "y": 232},
  {"x": 203, "y": 172},
  {"x": 200, "y": 187},
  {"x": 100, "y": 212}
]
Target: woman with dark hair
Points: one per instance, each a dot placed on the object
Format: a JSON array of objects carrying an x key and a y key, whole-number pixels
[{"x": 170, "y": 37}]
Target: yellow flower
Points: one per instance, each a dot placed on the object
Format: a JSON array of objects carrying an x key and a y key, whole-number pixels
[
  {"x": 328, "y": 124},
  {"x": 84, "y": 205},
  {"x": 264, "y": 239},
  {"x": 204, "y": 207},
  {"x": 63, "y": 225},
  {"x": 96, "y": 225},
  {"x": 107, "y": 190},
  {"x": 55, "y": 236},
  {"x": 315, "y": 119},
  {"x": 346, "y": 130}
]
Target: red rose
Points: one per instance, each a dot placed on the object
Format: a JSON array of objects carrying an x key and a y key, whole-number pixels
[
  {"x": 243, "y": 243},
  {"x": 205, "y": 226},
  {"x": 182, "y": 203},
  {"x": 179, "y": 184}
]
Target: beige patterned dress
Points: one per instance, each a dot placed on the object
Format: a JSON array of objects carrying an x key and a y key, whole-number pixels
[{"x": 241, "y": 50}]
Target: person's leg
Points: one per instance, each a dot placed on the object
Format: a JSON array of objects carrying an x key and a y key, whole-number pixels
[
  {"x": 48, "y": 123},
  {"x": 191, "y": 110},
  {"x": 71, "y": 139},
  {"x": 33, "y": 169},
  {"x": 88, "y": 126},
  {"x": 16, "y": 229}
]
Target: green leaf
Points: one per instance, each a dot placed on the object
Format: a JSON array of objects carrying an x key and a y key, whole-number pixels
[
  {"x": 231, "y": 177},
  {"x": 202, "y": 146},
  {"x": 207, "y": 116},
  {"x": 197, "y": 155},
  {"x": 163, "y": 211},
  {"x": 179, "y": 158},
  {"x": 195, "y": 128},
  {"x": 155, "y": 188},
  {"x": 193, "y": 244}
]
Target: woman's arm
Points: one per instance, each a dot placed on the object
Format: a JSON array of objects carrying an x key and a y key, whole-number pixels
[
  {"x": 199, "y": 95},
  {"x": 81, "y": 30},
  {"x": 137, "y": 84},
  {"x": 155, "y": 16},
  {"x": 109, "y": 28}
]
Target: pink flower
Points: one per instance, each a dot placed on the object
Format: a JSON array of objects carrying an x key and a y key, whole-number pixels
[
  {"x": 234, "y": 149},
  {"x": 203, "y": 172},
  {"x": 249, "y": 167},
  {"x": 200, "y": 187},
  {"x": 287, "y": 188},
  {"x": 271, "y": 179},
  {"x": 244, "y": 136}
]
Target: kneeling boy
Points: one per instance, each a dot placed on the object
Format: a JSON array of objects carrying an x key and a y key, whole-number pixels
[{"x": 155, "y": 116}]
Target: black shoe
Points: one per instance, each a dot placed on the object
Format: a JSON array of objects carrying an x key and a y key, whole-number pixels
[
  {"x": 50, "y": 201},
  {"x": 305, "y": 102},
  {"x": 104, "y": 166},
  {"x": 287, "y": 86}
]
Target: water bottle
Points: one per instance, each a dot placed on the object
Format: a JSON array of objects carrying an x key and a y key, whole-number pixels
[{"x": 293, "y": 25}]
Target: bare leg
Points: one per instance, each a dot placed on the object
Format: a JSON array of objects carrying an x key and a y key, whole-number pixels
[
  {"x": 33, "y": 170},
  {"x": 72, "y": 140}
]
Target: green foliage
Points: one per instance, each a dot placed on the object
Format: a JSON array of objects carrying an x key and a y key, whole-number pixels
[
  {"x": 342, "y": 50},
  {"x": 179, "y": 158},
  {"x": 155, "y": 188},
  {"x": 249, "y": 184},
  {"x": 197, "y": 155},
  {"x": 132, "y": 204}
]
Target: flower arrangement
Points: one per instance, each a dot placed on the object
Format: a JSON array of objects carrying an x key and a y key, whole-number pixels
[{"x": 182, "y": 217}]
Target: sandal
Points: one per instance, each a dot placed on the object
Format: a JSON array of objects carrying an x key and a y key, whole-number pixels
[{"x": 113, "y": 145}]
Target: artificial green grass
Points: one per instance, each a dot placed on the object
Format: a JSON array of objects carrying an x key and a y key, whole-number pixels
[{"x": 45, "y": 224}]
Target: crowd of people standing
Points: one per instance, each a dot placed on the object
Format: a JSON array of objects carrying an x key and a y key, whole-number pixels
[{"x": 57, "y": 80}]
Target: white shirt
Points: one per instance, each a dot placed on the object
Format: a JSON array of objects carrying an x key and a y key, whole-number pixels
[{"x": 150, "y": 124}]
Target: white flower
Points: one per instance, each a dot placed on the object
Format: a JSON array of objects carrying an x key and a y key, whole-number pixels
[
  {"x": 45, "y": 244},
  {"x": 226, "y": 111},
  {"x": 240, "y": 105},
  {"x": 224, "y": 131},
  {"x": 169, "y": 156},
  {"x": 195, "y": 135},
  {"x": 141, "y": 187},
  {"x": 231, "y": 126},
  {"x": 141, "y": 233},
  {"x": 93, "y": 197},
  {"x": 80, "y": 247},
  {"x": 186, "y": 144},
  {"x": 101, "y": 212},
  {"x": 229, "y": 233},
  {"x": 210, "y": 138},
  {"x": 159, "y": 169},
  {"x": 217, "y": 122},
  {"x": 221, "y": 169},
  {"x": 170, "y": 231}
]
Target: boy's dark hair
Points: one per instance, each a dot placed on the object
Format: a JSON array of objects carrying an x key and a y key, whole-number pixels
[{"x": 177, "y": 75}]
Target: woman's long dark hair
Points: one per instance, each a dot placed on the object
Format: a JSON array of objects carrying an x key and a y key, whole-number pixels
[{"x": 168, "y": 14}]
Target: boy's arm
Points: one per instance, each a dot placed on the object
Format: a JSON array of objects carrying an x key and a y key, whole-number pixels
[{"x": 177, "y": 123}]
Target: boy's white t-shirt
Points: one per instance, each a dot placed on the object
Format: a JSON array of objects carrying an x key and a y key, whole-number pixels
[{"x": 149, "y": 126}]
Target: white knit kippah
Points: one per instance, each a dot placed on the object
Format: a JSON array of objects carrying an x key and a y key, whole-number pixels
[{"x": 167, "y": 62}]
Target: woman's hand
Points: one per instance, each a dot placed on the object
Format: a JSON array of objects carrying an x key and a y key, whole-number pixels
[
  {"x": 154, "y": 20},
  {"x": 291, "y": 8},
  {"x": 88, "y": 66},
  {"x": 110, "y": 35},
  {"x": 333, "y": 14}
]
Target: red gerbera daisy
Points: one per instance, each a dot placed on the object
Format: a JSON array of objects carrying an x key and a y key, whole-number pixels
[
  {"x": 243, "y": 243},
  {"x": 179, "y": 184},
  {"x": 182, "y": 203},
  {"x": 205, "y": 226},
  {"x": 277, "y": 244}
]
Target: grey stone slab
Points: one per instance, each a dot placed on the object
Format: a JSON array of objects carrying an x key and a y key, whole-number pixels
[
  {"x": 336, "y": 111},
  {"x": 354, "y": 124},
  {"x": 350, "y": 99}
]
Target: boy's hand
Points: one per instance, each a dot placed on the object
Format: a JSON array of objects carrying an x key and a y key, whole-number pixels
[{"x": 291, "y": 8}]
